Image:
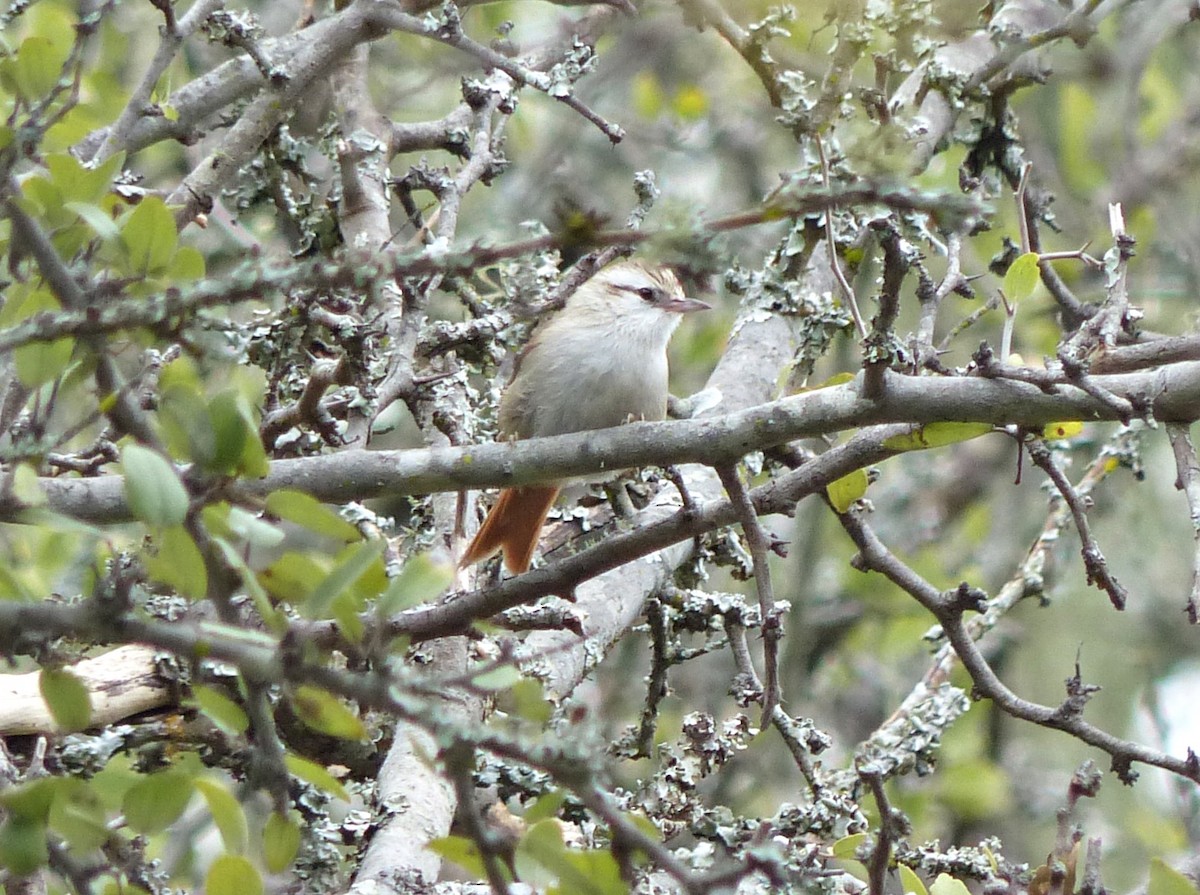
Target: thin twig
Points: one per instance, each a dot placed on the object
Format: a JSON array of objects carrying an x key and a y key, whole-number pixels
[
  {"x": 1187, "y": 480},
  {"x": 881, "y": 853},
  {"x": 838, "y": 273},
  {"x": 759, "y": 544},
  {"x": 1094, "y": 562}
]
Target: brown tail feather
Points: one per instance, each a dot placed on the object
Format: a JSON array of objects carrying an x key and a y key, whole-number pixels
[{"x": 513, "y": 526}]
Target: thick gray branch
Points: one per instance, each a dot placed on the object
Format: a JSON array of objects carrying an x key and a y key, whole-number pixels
[{"x": 1173, "y": 393}]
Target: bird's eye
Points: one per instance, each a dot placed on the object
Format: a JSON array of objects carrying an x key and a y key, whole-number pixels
[{"x": 647, "y": 293}]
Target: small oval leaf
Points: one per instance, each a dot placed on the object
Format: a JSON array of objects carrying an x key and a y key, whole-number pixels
[
  {"x": 281, "y": 842},
  {"x": 222, "y": 711},
  {"x": 1062, "y": 431},
  {"x": 155, "y": 802},
  {"x": 232, "y": 875},
  {"x": 67, "y": 698},
  {"x": 226, "y": 813},
  {"x": 1022, "y": 277},
  {"x": 152, "y": 486},
  {"x": 307, "y": 511},
  {"x": 313, "y": 773},
  {"x": 324, "y": 712},
  {"x": 844, "y": 491}
]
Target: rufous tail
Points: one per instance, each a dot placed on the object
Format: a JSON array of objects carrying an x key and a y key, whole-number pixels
[{"x": 512, "y": 526}]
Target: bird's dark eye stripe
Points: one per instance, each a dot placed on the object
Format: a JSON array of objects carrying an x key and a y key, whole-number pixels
[{"x": 646, "y": 293}]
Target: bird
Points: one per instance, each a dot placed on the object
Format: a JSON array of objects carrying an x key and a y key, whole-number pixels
[{"x": 599, "y": 362}]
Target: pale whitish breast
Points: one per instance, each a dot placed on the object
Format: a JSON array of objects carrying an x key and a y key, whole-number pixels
[{"x": 598, "y": 389}]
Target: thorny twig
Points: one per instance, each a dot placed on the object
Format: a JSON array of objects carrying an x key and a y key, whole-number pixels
[{"x": 1093, "y": 560}]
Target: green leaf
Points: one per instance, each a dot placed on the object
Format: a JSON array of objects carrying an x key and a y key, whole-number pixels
[
  {"x": 910, "y": 883},
  {"x": 542, "y": 860},
  {"x": 461, "y": 851},
  {"x": 222, "y": 711},
  {"x": 238, "y": 446},
  {"x": 183, "y": 414},
  {"x": 178, "y": 563},
  {"x": 80, "y": 183},
  {"x": 933, "y": 435},
  {"x": 499, "y": 678},
  {"x": 1022, "y": 278},
  {"x": 156, "y": 495},
  {"x": 26, "y": 487},
  {"x": 149, "y": 237},
  {"x": 324, "y": 712},
  {"x": 95, "y": 217},
  {"x": 422, "y": 578},
  {"x": 23, "y": 846},
  {"x": 78, "y": 815},
  {"x": 187, "y": 266},
  {"x": 38, "y": 362},
  {"x": 308, "y": 512},
  {"x": 66, "y": 696},
  {"x": 353, "y": 564},
  {"x": 1166, "y": 880},
  {"x": 545, "y": 806},
  {"x": 844, "y": 491},
  {"x": 155, "y": 802},
  {"x": 314, "y": 774},
  {"x": 847, "y": 847},
  {"x": 226, "y": 813},
  {"x": 292, "y": 576},
  {"x": 281, "y": 842},
  {"x": 31, "y": 800},
  {"x": 232, "y": 875},
  {"x": 274, "y": 619},
  {"x": 528, "y": 700},
  {"x": 254, "y": 531},
  {"x": 37, "y": 69},
  {"x": 948, "y": 885}
]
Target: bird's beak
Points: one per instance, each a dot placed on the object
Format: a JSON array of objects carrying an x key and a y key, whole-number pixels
[{"x": 685, "y": 305}]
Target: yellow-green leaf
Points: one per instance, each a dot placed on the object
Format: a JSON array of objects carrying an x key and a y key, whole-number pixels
[
  {"x": 844, "y": 491},
  {"x": 307, "y": 511},
  {"x": 66, "y": 696},
  {"x": 226, "y": 813},
  {"x": 281, "y": 842},
  {"x": 149, "y": 236},
  {"x": 324, "y": 712},
  {"x": 1022, "y": 277},
  {"x": 232, "y": 875},
  {"x": 314, "y": 774},
  {"x": 948, "y": 885},
  {"x": 1061, "y": 431},
  {"x": 78, "y": 815},
  {"x": 1166, "y": 880},
  {"x": 461, "y": 851},
  {"x": 178, "y": 563},
  {"x": 933, "y": 435},
  {"x": 355, "y": 563},
  {"x": 156, "y": 801},
  {"x": 423, "y": 577},
  {"x": 847, "y": 847},
  {"x": 910, "y": 882},
  {"x": 23, "y": 847},
  {"x": 26, "y": 487},
  {"x": 226, "y": 714}
]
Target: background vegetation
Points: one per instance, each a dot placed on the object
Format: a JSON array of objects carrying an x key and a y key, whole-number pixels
[{"x": 264, "y": 266}]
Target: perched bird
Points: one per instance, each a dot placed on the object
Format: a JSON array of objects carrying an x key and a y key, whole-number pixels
[{"x": 599, "y": 362}]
